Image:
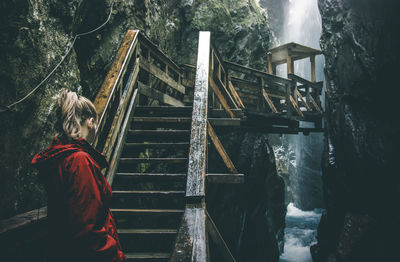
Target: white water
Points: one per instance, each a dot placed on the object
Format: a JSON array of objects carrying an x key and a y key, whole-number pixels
[
  {"x": 300, "y": 232},
  {"x": 302, "y": 24}
]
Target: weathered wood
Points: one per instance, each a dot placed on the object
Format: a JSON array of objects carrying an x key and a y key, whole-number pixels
[
  {"x": 221, "y": 98},
  {"x": 161, "y": 75},
  {"x": 225, "y": 178},
  {"x": 218, "y": 240},
  {"x": 269, "y": 101},
  {"x": 235, "y": 94},
  {"x": 221, "y": 150},
  {"x": 255, "y": 73},
  {"x": 157, "y": 53},
  {"x": 297, "y": 52},
  {"x": 192, "y": 242},
  {"x": 314, "y": 104},
  {"x": 24, "y": 219},
  {"x": 195, "y": 187},
  {"x": 269, "y": 62},
  {"x": 163, "y": 98},
  {"x": 118, "y": 67},
  {"x": 296, "y": 106},
  {"x": 313, "y": 75},
  {"x": 146, "y": 256},
  {"x": 317, "y": 85},
  {"x": 302, "y": 100},
  {"x": 120, "y": 113},
  {"x": 121, "y": 138},
  {"x": 226, "y": 94},
  {"x": 289, "y": 62}
]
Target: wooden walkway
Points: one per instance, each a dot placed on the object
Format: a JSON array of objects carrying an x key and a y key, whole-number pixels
[{"x": 157, "y": 121}]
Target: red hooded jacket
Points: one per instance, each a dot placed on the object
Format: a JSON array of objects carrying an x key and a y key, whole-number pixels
[{"x": 81, "y": 225}]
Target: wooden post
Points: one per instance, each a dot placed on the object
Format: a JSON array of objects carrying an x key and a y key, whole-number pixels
[
  {"x": 313, "y": 76},
  {"x": 196, "y": 176},
  {"x": 290, "y": 64},
  {"x": 269, "y": 61},
  {"x": 288, "y": 107}
]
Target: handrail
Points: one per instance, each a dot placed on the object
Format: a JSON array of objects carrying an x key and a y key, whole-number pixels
[{"x": 112, "y": 85}]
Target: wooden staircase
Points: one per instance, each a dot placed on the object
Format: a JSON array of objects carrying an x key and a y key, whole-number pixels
[{"x": 149, "y": 186}]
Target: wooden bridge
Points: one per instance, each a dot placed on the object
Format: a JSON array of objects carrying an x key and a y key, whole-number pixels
[{"x": 157, "y": 120}]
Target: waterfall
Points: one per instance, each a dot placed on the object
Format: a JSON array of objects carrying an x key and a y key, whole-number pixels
[{"x": 302, "y": 24}]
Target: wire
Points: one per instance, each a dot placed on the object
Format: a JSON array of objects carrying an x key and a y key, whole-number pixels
[{"x": 68, "y": 50}]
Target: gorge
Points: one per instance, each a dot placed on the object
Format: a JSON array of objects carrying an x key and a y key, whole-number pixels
[{"x": 349, "y": 170}]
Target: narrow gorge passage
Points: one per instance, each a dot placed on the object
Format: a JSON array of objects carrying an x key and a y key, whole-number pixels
[{"x": 299, "y": 156}]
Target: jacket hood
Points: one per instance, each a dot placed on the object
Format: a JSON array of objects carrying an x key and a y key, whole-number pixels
[{"x": 60, "y": 149}]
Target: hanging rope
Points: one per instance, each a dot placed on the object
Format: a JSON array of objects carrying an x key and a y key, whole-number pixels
[{"x": 67, "y": 51}]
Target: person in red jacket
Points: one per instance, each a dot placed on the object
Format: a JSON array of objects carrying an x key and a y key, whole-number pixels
[{"x": 81, "y": 225}]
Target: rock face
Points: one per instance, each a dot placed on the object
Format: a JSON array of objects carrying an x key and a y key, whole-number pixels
[
  {"x": 36, "y": 34},
  {"x": 35, "y": 37},
  {"x": 361, "y": 182},
  {"x": 253, "y": 218}
]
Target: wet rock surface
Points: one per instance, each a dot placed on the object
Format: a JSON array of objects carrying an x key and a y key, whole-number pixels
[
  {"x": 250, "y": 216},
  {"x": 36, "y": 34},
  {"x": 361, "y": 185}
]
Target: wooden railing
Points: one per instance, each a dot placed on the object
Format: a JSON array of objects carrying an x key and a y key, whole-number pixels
[
  {"x": 139, "y": 68},
  {"x": 263, "y": 92}
]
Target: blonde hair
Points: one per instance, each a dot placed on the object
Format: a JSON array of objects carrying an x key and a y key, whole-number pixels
[{"x": 72, "y": 112}]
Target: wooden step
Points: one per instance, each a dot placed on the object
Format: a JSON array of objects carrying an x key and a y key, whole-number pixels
[
  {"x": 142, "y": 256},
  {"x": 156, "y": 145},
  {"x": 129, "y": 160},
  {"x": 147, "y": 218},
  {"x": 148, "y": 231},
  {"x": 151, "y": 176},
  {"x": 147, "y": 241},
  {"x": 158, "y": 135},
  {"x": 148, "y": 199},
  {"x": 186, "y": 120},
  {"x": 163, "y": 111},
  {"x": 149, "y": 181}
]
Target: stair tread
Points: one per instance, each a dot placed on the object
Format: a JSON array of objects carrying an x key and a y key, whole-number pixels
[
  {"x": 154, "y": 144},
  {"x": 140, "y": 131},
  {"x": 134, "y": 159},
  {"x": 148, "y": 255},
  {"x": 150, "y": 174},
  {"x": 130, "y": 210},
  {"x": 148, "y": 231},
  {"x": 148, "y": 192}
]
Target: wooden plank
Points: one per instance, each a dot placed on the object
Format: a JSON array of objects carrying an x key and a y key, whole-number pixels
[
  {"x": 23, "y": 220},
  {"x": 218, "y": 240},
  {"x": 269, "y": 101},
  {"x": 121, "y": 138},
  {"x": 221, "y": 150},
  {"x": 296, "y": 106},
  {"x": 191, "y": 243},
  {"x": 235, "y": 94},
  {"x": 160, "y": 55},
  {"x": 160, "y": 74},
  {"x": 269, "y": 62},
  {"x": 226, "y": 93},
  {"x": 120, "y": 113},
  {"x": 225, "y": 178},
  {"x": 318, "y": 85},
  {"x": 117, "y": 68},
  {"x": 315, "y": 104},
  {"x": 289, "y": 62},
  {"x": 195, "y": 187},
  {"x": 302, "y": 100},
  {"x": 313, "y": 75},
  {"x": 221, "y": 98},
  {"x": 255, "y": 73},
  {"x": 163, "y": 98}
]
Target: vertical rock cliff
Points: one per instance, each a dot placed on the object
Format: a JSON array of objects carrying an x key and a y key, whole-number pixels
[
  {"x": 361, "y": 183},
  {"x": 251, "y": 217}
]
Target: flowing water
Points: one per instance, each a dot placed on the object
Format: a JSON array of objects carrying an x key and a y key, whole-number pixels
[
  {"x": 300, "y": 232},
  {"x": 302, "y": 24}
]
